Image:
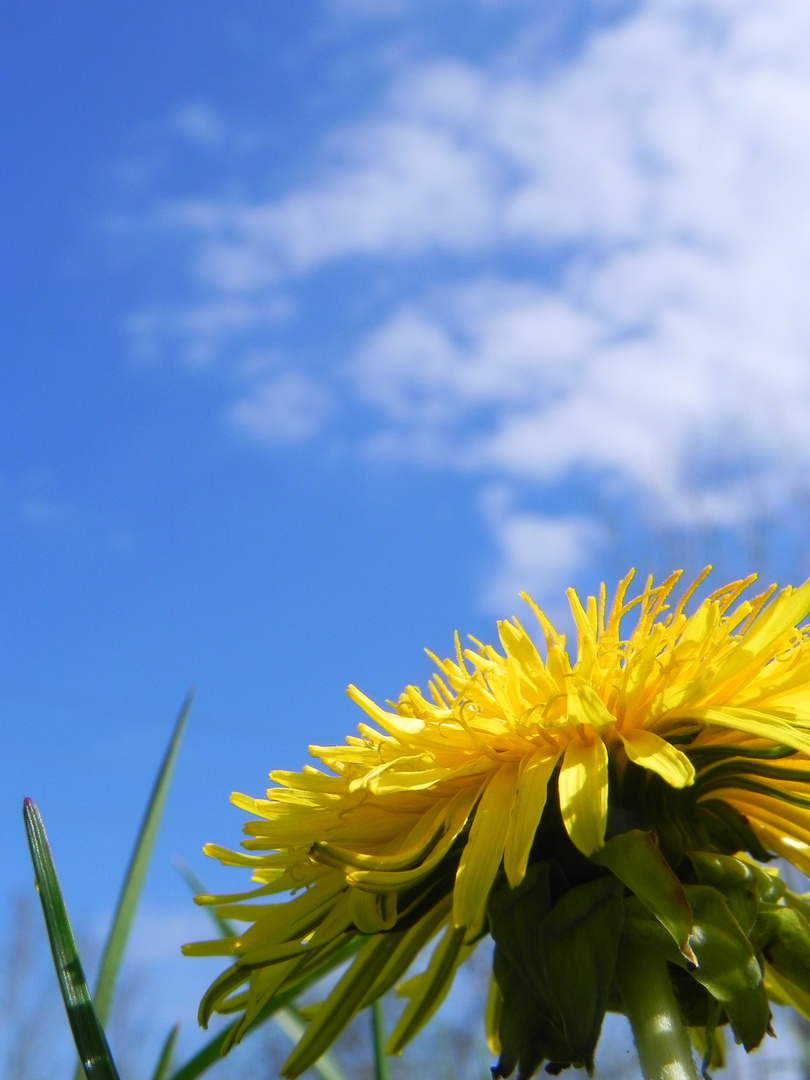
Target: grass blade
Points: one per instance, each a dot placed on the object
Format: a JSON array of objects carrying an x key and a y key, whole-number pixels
[
  {"x": 88, "y": 1034},
  {"x": 164, "y": 1064},
  {"x": 136, "y": 873},
  {"x": 381, "y": 1068}
]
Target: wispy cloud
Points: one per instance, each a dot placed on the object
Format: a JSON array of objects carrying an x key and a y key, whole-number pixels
[
  {"x": 287, "y": 408},
  {"x": 626, "y": 255},
  {"x": 198, "y": 333},
  {"x": 536, "y": 551},
  {"x": 390, "y": 188}
]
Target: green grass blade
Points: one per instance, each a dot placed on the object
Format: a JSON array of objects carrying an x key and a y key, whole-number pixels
[
  {"x": 287, "y": 1017},
  {"x": 381, "y": 1067},
  {"x": 164, "y": 1064},
  {"x": 113, "y": 953},
  {"x": 88, "y": 1034}
]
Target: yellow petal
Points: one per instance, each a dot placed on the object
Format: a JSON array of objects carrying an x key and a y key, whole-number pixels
[
  {"x": 482, "y": 855},
  {"x": 785, "y": 612},
  {"x": 403, "y": 853},
  {"x": 526, "y": 813},
  {"x": 393, "y": 723},
  {"x": 520, "y": 647},
  {"x": 652, "y": 752},
  {"x": 585, "y": 707},
  {"x": 586, "y": 633},
  {"x": 583, "y": 787},
  {"x": 757, "y": 722},
  {"x": 460, "y": 808},
  {"x": 372, "y": 912}
]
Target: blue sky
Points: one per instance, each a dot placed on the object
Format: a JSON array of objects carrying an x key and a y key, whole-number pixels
[{"x": 328, "y": 328}]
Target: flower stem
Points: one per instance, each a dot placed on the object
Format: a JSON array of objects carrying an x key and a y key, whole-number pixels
[{"x": 662, "y": 1039}]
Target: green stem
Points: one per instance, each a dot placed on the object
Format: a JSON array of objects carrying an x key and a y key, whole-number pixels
[{"x": 662, "y": 1039}]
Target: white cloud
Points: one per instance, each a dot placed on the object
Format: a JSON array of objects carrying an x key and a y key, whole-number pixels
[
  {"x": 675, "y": 155},
  {"x": 488, "y": 344},
  {"x": 664, "y": 172},
  {"x": 287, "y": 408},
  {"x": 392, "y": 187},
  {"x": 538, "y": 553},
  {"x": 201, "y": 330}
]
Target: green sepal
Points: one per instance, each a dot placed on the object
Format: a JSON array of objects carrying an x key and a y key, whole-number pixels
[
  {"x": 738, "y": 881},
  {"x": 519, "y": 1030},
  {"x": 710, "y": 1043},
  {"x": 218, "y": 1046},
  {"x": 286, "y": 1017},
  {"x": 341, "y": 1005},
  {"x": 728, "y": 981},
  {"x": 645, "y": 931},
  {"x": 513, "y": 917},
  {"x": 428, "y": 990},
  {"x": 291, "y": 1022},
  {"x": 783, "y": 935},
  {"x": 730, "y": 831},
  {"x": 554, "y": 968},
  {"x": 723, "y": 870},
  {"x": 696, "y": 1004},
  {"x": 728, "y": 965},
  {"x": 636, "y": 860},
  {"x": 672, "y": 812},
  {"x": 729, "y": 971},
  {"x": 799, "y": 901},
  {"x": 771, "y": 887},
  {"x": 579, "y": 941}
]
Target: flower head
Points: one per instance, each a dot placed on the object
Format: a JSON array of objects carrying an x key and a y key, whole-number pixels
[{"x": 523, "y": 780}]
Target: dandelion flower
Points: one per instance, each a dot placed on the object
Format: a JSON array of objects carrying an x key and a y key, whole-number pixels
[{"x": 596, "y": 814}]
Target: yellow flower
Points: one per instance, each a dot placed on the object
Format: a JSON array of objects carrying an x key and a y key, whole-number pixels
[{"x": 412, "y": 824}]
